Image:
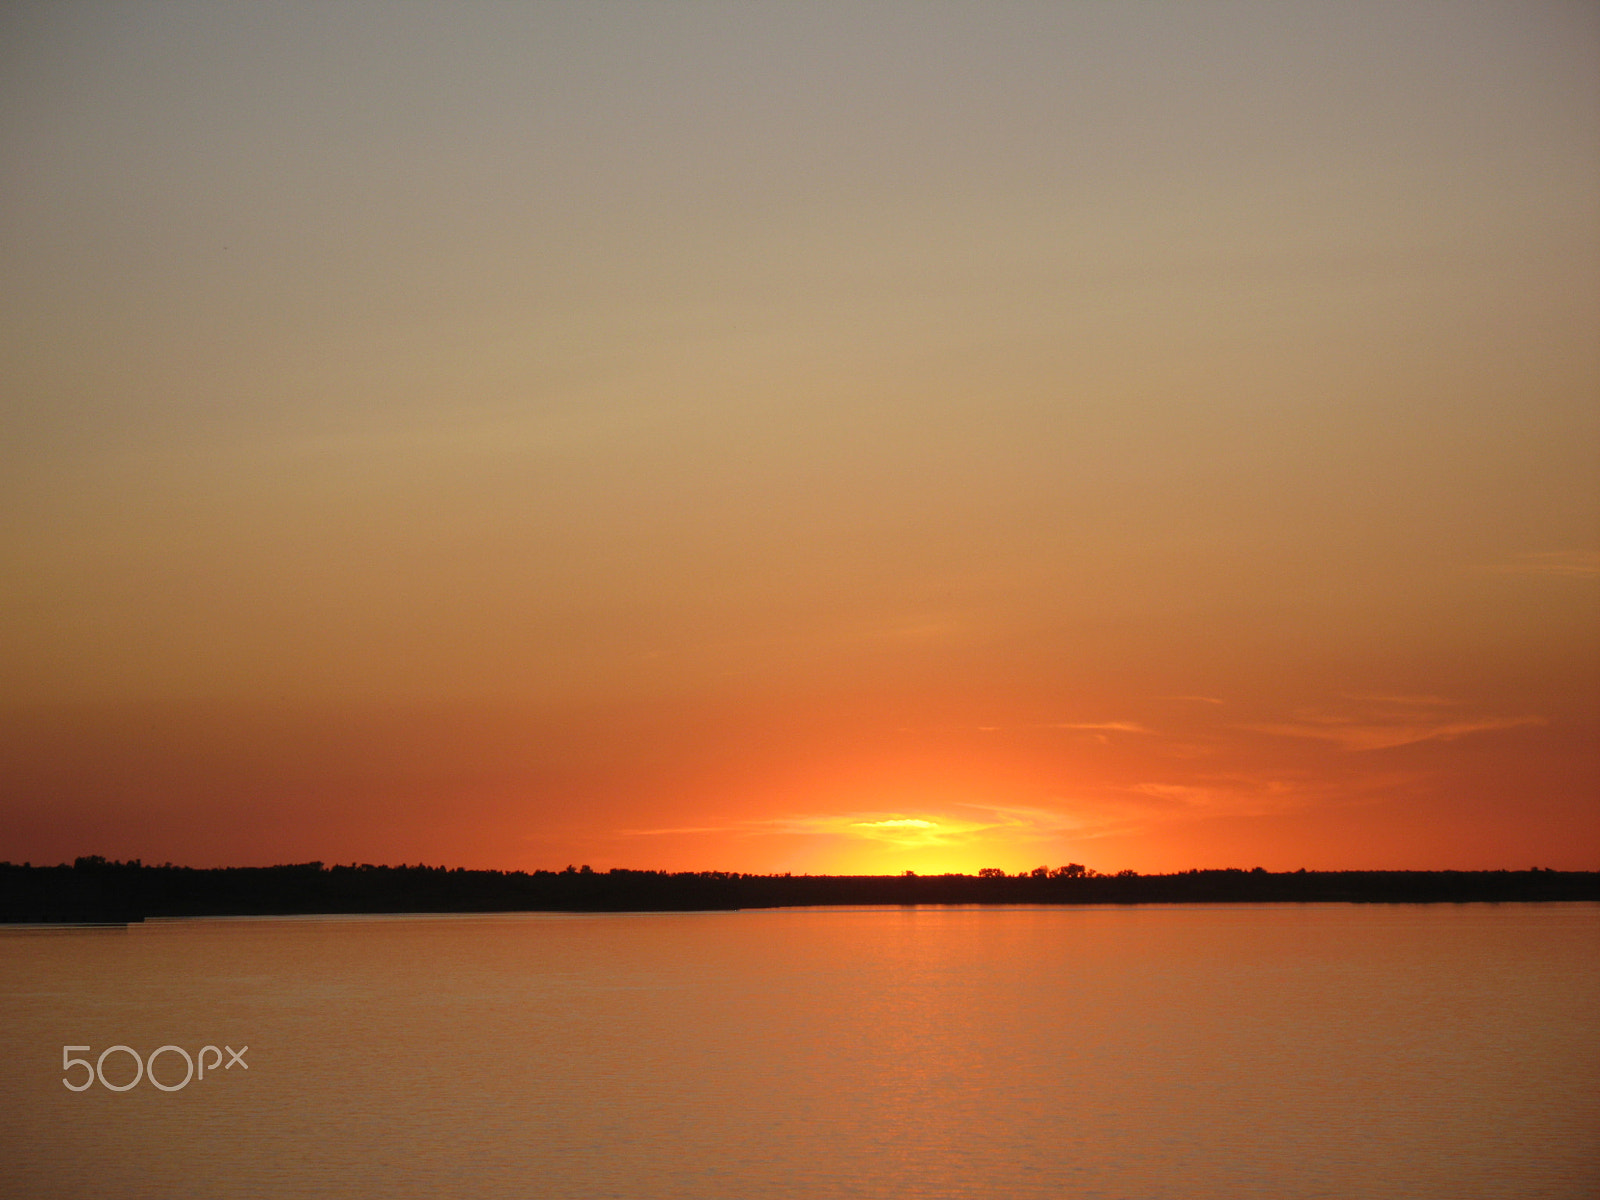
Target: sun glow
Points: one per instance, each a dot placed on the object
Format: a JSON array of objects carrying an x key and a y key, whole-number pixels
[
  {"x": 927, "y": 844},
  {"x": 916, "y": 831},
  {"x": 891, "y": 827}
]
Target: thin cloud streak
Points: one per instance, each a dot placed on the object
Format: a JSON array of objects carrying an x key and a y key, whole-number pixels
[
  {"x": 1402, "y": 701},
  {"x": 1242, "y": 794},
  {"x": 1023, "y": 817},
  {"x": 1369, "y": 736},
  {"x": 1096, "y": 726}
]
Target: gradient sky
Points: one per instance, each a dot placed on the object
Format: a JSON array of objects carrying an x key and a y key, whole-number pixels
[{"x": 812, "y": 437}]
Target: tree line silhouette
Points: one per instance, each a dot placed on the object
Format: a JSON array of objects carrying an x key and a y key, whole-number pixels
[{"x": 94, "y": 890}]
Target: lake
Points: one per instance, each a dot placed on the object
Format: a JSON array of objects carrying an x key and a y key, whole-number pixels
[{"x": 1200, "y": 1051}]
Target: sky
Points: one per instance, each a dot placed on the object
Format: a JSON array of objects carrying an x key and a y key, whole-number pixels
[{"x": 801, "y": 437}]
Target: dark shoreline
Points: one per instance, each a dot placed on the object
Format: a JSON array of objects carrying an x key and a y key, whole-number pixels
[{"x": 94, "y": 891}]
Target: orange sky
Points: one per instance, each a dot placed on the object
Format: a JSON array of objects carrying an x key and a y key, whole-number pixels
[{"x": 815, "y": 438}]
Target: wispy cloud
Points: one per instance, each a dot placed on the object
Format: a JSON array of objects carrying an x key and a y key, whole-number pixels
[
  {"x": 1571, "y": 564},
  {"x": 1098, "y": 728},
  {"x": 1027, "y": 818},
  {"x": 1231, "y": 795},
  {"x": 1351, "y": 734},
  {"x": 1243, "y": 794},
  {"x": 1401, "y": 701},
  {"x": 1095, "y": 726}
]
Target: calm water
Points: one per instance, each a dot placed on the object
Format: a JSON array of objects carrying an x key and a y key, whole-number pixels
[{"x": 1208, "y": 1051}]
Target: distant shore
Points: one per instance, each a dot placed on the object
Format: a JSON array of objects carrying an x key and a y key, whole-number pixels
[{"x": 94, "y": 891}]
